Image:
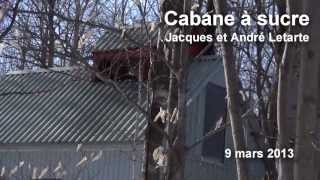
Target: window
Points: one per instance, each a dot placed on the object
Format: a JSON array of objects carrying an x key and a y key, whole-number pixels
[{"x": 215, "y": 109}]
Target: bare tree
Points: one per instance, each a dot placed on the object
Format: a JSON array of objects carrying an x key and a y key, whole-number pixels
[
  {"x": 233, "y": 95},
  {"x": 305, "y": 167}
]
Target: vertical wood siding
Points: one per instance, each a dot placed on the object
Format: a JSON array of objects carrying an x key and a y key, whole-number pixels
[{"x": 198, "y": 168}]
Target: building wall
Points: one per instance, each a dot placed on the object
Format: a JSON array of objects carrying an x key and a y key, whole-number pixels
[
  {"x": 198, "y": 167},
  {"x": 98, "y": 162}
]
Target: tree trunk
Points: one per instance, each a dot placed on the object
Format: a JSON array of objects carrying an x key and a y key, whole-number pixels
[
  {"x": 51, "y": 4},
  {"x": 304, "y": 167},
  {"x": 287, "y": 93},
  {"x": 178, "y": 59},
  {"x": 233, "y": 96},
  {"x": 76, "y": 33},
  {"x": 283, "y": 141}
]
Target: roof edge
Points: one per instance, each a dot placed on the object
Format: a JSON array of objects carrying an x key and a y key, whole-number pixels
[{"x": 43, "y": 70}]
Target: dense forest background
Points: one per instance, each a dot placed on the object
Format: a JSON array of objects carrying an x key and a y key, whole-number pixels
[{"x": 274, "y": 85}]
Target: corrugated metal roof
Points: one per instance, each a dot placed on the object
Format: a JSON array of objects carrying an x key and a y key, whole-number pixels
[
  {"x": 66, "y": 107},
  {"x": 127, "y": 38}
]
